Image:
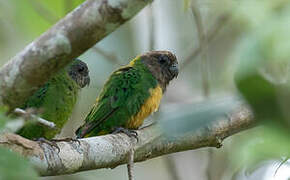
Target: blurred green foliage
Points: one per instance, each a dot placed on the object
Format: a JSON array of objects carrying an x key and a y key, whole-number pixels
[
  {"x": 15, "y": 167},
  {"x": 262, "y": 77},
  {"x": 12, "y": 165},
  {"x": 33, "y": 17},
  {"x": 45, "y": 13},
  {"x": 257, "y": 145},
  {"x": 258, "y": 28},
  {"x": 186, "y": 4},
  {"x": 3, "y": 117},
  {"x": 252, "y": 14},
  {"x": 264, "y": 49}
]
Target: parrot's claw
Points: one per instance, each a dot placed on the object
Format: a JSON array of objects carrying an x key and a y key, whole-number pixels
[
  {"x": 67, "y": 140},
  {"x": 128, "y": 132},
  {"x": 51, "y": 143}
]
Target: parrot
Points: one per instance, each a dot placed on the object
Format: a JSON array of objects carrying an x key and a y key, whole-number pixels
[
  {"x": 56, "y": 98},
  {"x": 131, "y": 94}
]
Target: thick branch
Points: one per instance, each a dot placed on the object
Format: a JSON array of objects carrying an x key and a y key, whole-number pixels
[
  {"x": 69, "y": 38},
  {"x": 112, "y": 150}
]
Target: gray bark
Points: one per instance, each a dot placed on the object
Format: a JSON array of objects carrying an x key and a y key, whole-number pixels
[
  {"x": 67, "y": 39},
  {"x": 110, "y": 151}
]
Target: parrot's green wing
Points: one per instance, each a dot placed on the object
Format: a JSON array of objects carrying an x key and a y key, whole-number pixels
[
  {"x": 32, "y": 130},
  {"x": 56, "y": 100},
  {"x": 37, "y": 99},
  {"x": 114, "y": 94},
  {"x": 121, "y": 97}
]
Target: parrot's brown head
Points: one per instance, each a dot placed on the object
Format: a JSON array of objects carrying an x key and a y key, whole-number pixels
[
  {"x": 79, "y": 72},
  {"x": 162, "y": 64}
]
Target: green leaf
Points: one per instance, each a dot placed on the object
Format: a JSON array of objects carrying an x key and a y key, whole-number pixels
[
  {"x": 262, "y": 74},
  {"x": 14, "y": 166},
  {"x": 262, "y": 79},
  {"x": 260, "y": 144},
  {"x": 40, "y": 13}
]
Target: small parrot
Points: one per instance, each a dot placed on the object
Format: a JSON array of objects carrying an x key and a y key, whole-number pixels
[
  {"x": 56, "y": 98},
  {"x": 131, "y": 94}
]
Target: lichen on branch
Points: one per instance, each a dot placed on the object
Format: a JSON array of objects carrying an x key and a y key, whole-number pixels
[
  {"x": 112, "y": 150},
  {"x": 67, "y": 39}
]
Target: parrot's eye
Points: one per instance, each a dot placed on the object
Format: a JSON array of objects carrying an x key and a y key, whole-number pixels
[
  {"x": 81, "y": 69},
  {"x": 163, "y": 59}
]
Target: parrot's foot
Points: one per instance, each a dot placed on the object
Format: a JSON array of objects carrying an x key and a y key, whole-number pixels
[
  {"x": 67, "y": 140},
  {"x": 51, "y": 143},
  {"x": 128, "y": 132}
]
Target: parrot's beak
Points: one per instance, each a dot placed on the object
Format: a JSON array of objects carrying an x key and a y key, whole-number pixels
[
  {"x": 85, "y": 81},
  {"x": 174, "y": 70}
]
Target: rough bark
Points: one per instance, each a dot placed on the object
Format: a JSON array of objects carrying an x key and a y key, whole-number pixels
[
  {"x": 67, "y": 39},
  {"x": 112, "y": 150}
]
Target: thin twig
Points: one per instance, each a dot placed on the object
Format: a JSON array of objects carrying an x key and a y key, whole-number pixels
[
  {"x": 280, "y": 164},
  {"x": 202, "y": 36},
  {"x": 130, "y": 165},
  {"x": 152, "y": 28},
  {"x": 171, "y": 167},
  {"x": 34, "y": 117},
  {"x": 204, "y": 49},
  {"x": 109, "y": 56},
  {"x": 209, "y": 165},
  {"x": 44, "y": 12},
  {"x": 172, "y": 171},
  {"x": 211, "y": 34}
]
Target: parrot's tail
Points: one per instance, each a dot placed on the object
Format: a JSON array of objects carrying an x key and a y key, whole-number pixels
[
  {"x": 84, "y": 130},
  {"x": 79, "y": 133}
]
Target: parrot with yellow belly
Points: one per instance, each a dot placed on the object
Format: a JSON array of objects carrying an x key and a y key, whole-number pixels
[{"x": 131, "y": 94}]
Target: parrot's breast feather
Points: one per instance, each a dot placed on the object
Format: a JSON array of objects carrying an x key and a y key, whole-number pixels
[{"x": 151, "y": 105}]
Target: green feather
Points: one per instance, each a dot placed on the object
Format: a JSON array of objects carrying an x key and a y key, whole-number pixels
[
  {"x": 57, "y": 98},
  {"x": 121, "y": 98}
]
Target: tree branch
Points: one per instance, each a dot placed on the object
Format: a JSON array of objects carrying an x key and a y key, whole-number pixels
[
  {"x": 202, "y": 37},
  {"x": 211, "y": 34},
  {"x": 112, "y": 150},
  {"x": 108, "y": 55},
  {"x": 67, "y": 39}
]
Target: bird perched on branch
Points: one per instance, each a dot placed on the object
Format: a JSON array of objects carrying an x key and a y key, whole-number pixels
[
  {"x": 131, "y": 93},
  {"x": 56, "y": 98}
]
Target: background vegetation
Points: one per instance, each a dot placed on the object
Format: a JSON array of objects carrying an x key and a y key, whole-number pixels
[{"x": 242, "y": 48}]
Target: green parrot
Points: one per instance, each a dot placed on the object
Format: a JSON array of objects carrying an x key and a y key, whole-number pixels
[
  {"x": 131, "y": 93},
  {"x": 56, "y": 98}
]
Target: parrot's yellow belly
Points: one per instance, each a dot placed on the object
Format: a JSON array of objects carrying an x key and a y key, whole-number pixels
[{"x": 151, "y": 105}]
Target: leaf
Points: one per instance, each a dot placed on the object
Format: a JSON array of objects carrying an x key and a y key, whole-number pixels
[
  {"x": 262, "y": 74},
  {"x": 40, "y": 13},
  {"x": 14, "y": 166},
  {"x": 260, "y": 144},
  {"x": 262, "y": 78}
]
